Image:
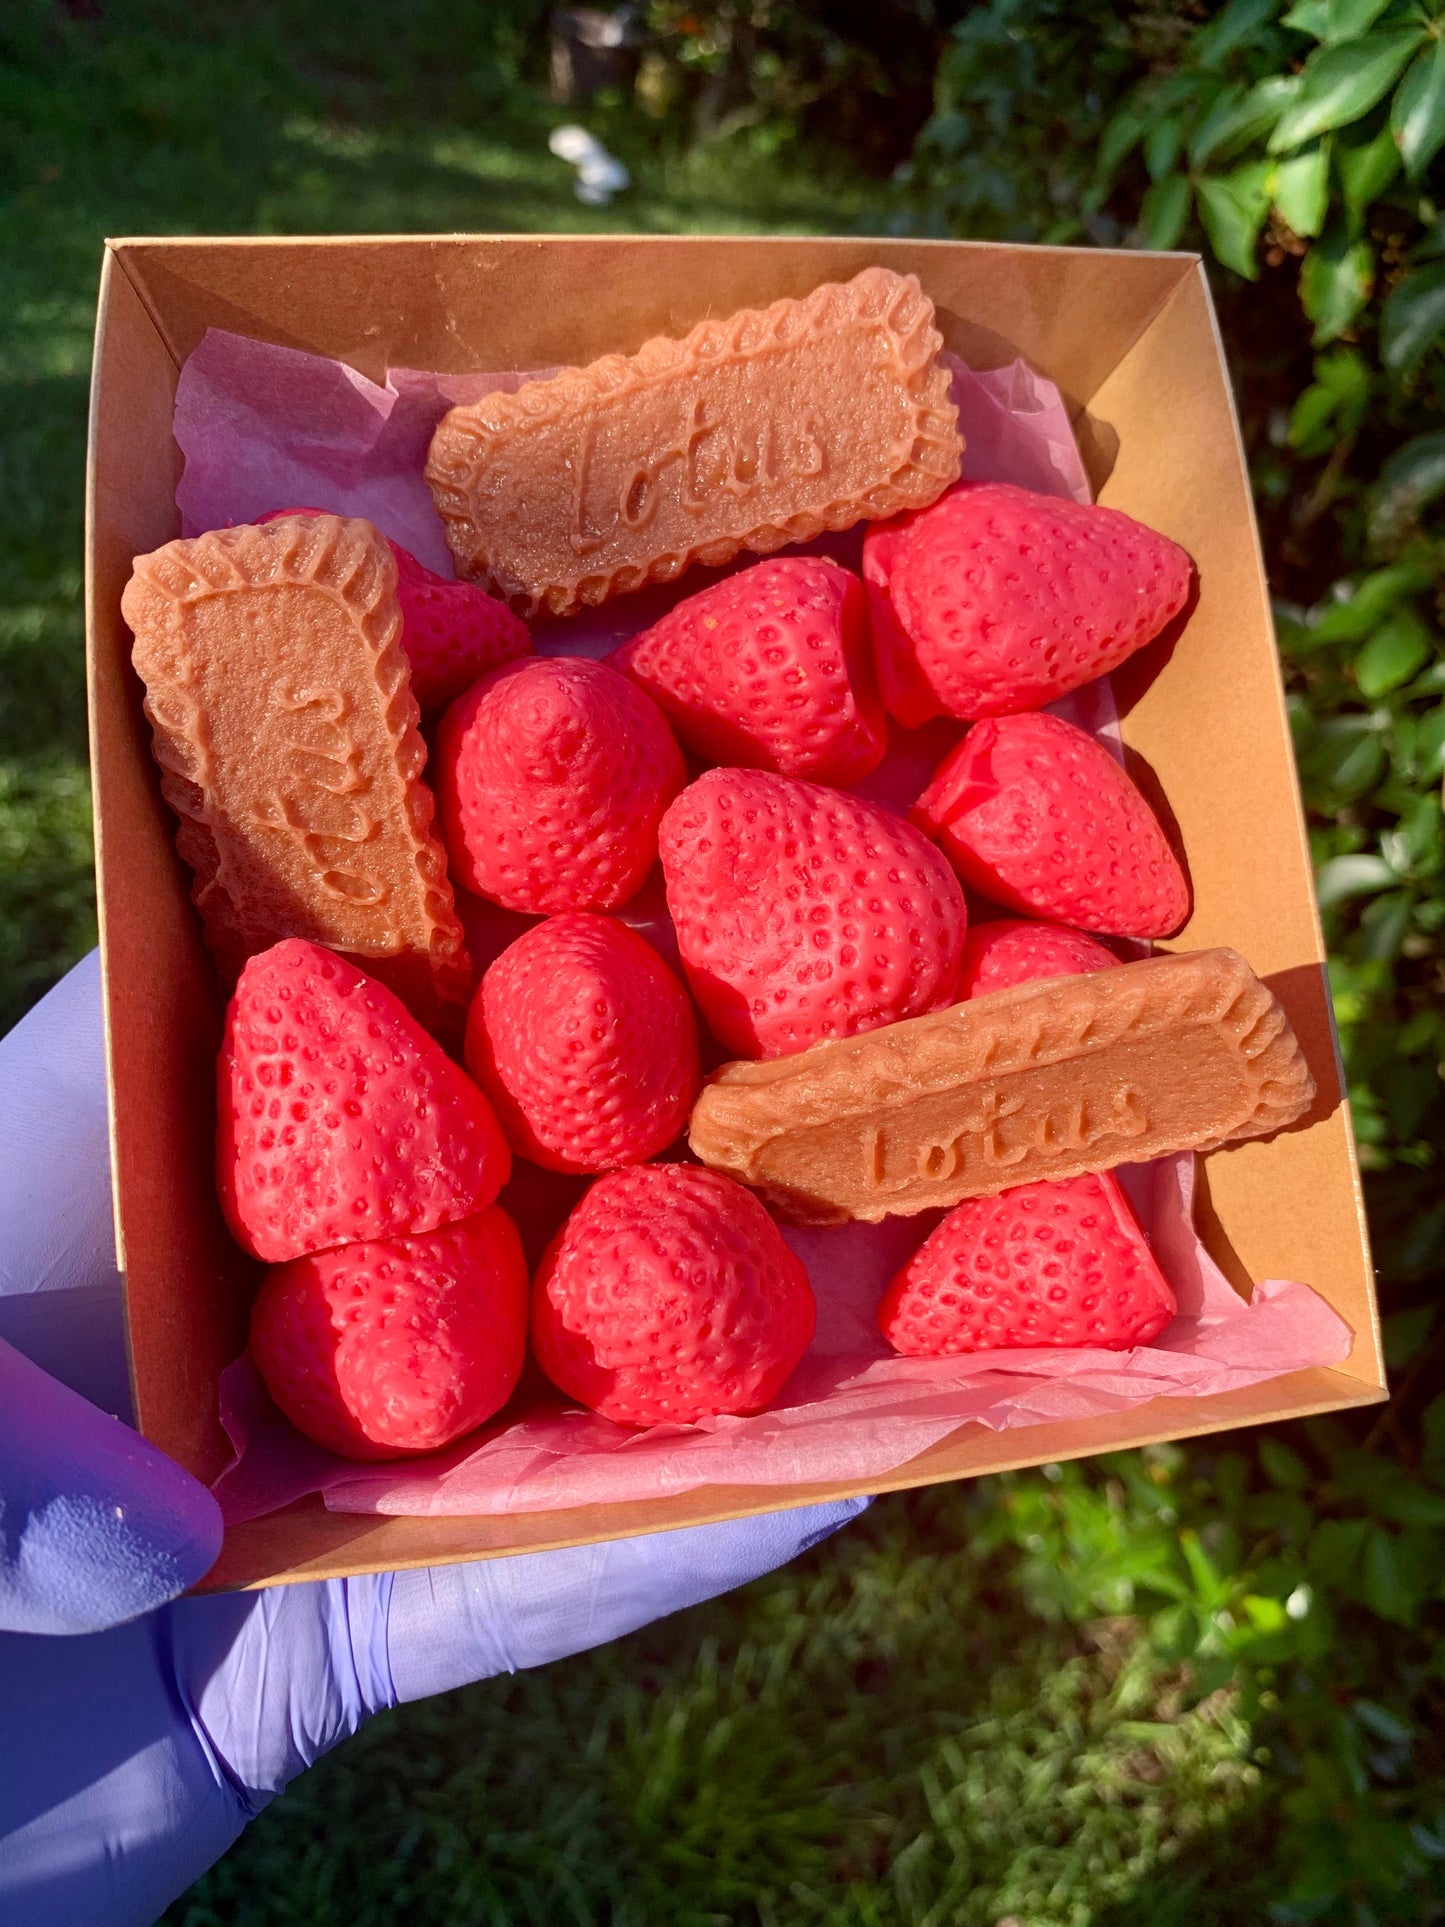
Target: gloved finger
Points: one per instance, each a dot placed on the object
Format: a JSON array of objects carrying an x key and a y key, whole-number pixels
[
  {"x": 449, "y": 1624},
  {"x": 274, "y": 1679},
  {"x": 96, "y": 1525},
  {"x": 59, "y": 1290}
]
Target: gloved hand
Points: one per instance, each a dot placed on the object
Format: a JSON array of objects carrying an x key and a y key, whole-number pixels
[
  {"x": 96, "y": 1525},
  {"x": 130, "y": 1758}
]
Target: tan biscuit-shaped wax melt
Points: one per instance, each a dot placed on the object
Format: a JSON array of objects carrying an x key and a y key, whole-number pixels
[
  {"x": 284, "y": 724},
  {"x": 750, "y": 432},
  {"x": 1047, "y": 1079}
]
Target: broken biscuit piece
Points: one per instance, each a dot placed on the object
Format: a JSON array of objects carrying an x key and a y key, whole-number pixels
[
  {"x": 765, "y": 428},
  {"x": 1046, "y": 1079},
  {"x": 286, "y": 733}
]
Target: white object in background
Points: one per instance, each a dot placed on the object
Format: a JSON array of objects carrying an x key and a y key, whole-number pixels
[{"x": 600, "y": 175}]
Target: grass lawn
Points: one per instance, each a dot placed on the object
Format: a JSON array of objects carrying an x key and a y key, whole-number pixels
[
  {"x": 1014, "y": 1704},
  {"x": 885, "y": 1732}
]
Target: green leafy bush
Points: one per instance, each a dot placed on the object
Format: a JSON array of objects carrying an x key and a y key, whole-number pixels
[{"x": 1303, "y": 151}]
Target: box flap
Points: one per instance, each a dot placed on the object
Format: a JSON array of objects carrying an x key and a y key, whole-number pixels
[{"x": 468, "y": 302}]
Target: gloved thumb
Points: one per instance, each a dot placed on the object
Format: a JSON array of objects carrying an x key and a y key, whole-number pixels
[{"x": 96, "y": 1525}]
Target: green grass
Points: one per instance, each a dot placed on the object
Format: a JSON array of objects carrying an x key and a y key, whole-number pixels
[
  {"x": 1201, "y": 1688},
  {"x": 883, "y": 1735}
]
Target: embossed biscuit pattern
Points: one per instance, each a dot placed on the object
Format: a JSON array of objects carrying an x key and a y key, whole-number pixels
[
  {"x": 286, "y": 732},
  {"x": 601, "y": 479},
  {"x": 1044, "y": 1080}
]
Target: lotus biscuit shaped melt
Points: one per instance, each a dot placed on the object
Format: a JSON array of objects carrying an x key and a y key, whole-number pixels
[
  {"x": 763, "y": 428},
  {"x": 451, "y": 632},
  {"x": 1047, "y": 1079},
  {"x": 286, "y": 732}
]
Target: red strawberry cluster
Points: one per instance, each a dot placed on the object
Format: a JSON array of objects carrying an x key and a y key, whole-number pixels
[{"x": 364, "y": 1166}]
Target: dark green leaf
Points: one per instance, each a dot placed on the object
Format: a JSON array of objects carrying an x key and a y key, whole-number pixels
[
  {"x": 1311, "y": 17},
  {"x": 1170, "y": 93},
  {"x": 1232, "y": 208},
  {"x": 1214, "y": 124},
  {"x": 1381, "y": 591},
  {"x": 1302, "y": 187},
  {"x": 1410, "y": 479},
  {"x": 1432, "y": 1433},
  {"x": 1409, "y": 1089},
  {"x": 1236, "y": 118},
  {"x": 1334, "y": 20},
  {"x": 1336, "y": 1547},
  {"x": 1413, "y": 318},
  {"x": 1333, "y": 407},
  {"x": 1121, "y": 136},
  {"x": 1282, "y": 1465},
  {"x": 1366, "y": 168},
  {"x": 1342, "y": 83},
  {"x": 1161, "y": 146},
  {"x": 1335, "y": 283},
  {"x": 1403, "y": 1333},
  {"x": 1352, "y": 876},
  {"x": 1384, "y": 926},
  {"x": 1430, "y": 745},
  {"x": 1395, "y": 1582},
  {"x": 1165, "y": 210},
  {"x": 1345, "y": 760},
  {"x": 1410, "y": 1504},
  {"x": 1415, "y": 845},
  {"x": 1230, "y": 28},
  {"x": 1417, "y": 113},
  {"x": 1393, "y": 655}
]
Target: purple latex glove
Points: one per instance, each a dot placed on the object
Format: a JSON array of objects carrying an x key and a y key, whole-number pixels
[
  {"x": 130, "y": 1758},
  {"x": 96, "y": 1526}
]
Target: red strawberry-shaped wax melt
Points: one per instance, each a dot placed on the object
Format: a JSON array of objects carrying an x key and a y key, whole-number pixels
[
  {"x": 1014, "y": 950},
  {"x": 769, "y": 669},
  {"x": 452, "y": 632},
  {"x": 1039, "y": 817},
  {"x": 339, "y": 1118},
  {"x": 803, "y": 913},
  {"x": 551, "y": 776},
  {"x": 586, "y": 1044},
  {"x": 396, "y": 1345},
  {"x": 997, "y": 600},
  {"x": 670, "y": 1296},
  {"x": 1043, "y": 1264}
]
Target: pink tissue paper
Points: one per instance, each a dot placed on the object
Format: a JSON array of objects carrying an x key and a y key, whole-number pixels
[{"x": 262, "y": 427}]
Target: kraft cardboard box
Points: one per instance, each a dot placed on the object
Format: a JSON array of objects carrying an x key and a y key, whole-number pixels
[{"x": 1131, "y": 341}]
